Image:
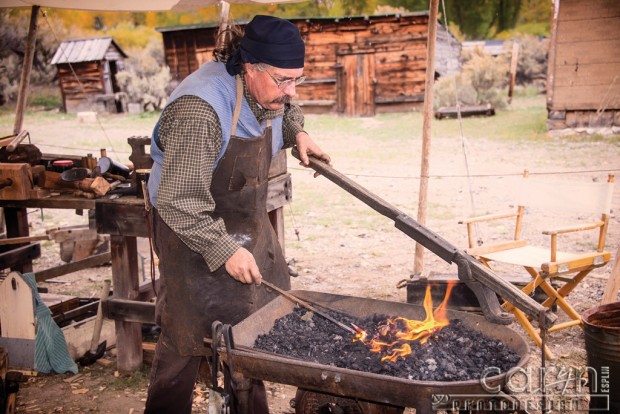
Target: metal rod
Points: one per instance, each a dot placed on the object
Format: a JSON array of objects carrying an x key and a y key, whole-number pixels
[
  {"x": 431, "y": 240},
  {"x": 308, "y": 306}
]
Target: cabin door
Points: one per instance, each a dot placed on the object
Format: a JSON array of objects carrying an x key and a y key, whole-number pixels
[{"x": 356, "y": 84}]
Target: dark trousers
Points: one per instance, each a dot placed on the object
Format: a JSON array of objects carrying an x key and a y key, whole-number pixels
[{"x": 172, "y": 380}]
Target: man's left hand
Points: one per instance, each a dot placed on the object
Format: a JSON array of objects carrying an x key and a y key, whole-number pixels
[{"x": 307, "y": 146}]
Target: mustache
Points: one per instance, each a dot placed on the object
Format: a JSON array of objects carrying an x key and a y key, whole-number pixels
[{"x": 282, "y": 100}]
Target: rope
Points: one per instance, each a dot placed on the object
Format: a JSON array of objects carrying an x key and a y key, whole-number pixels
[
  {"x": 519, "y": 174},
  {"x": 472, "y": 203},
  {"x": 62, "y": 50}
]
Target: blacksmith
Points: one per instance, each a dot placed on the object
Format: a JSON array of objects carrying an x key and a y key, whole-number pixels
[{"x": 212, "y": 148}]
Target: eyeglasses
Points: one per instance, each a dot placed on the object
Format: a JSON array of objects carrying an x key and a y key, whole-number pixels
[{"x": 283, "y": 84}]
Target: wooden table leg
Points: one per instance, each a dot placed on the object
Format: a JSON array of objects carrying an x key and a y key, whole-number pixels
[
  {"x": 125, "y": 285},
  {"x": 16, "y": 220}
]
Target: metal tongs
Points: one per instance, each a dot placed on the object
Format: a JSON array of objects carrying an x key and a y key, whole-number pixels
[
  {"x": 219, "y": 399},
  {"x": 308, "y": 306}
]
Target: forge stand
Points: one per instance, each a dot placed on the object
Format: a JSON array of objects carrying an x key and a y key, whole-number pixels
[{"x": 326, "y": 387}]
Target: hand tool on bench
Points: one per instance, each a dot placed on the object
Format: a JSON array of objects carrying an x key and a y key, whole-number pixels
[
  {"x": 12, "y": 142},
  {"x": 481, "y": 280},
  {"x": 97, "y": 349}
]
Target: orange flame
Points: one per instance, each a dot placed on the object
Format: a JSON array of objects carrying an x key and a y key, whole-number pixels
[{"x": 392, "y": 338}]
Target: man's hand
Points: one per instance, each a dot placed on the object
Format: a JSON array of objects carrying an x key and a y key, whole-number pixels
[
  {"x": 307, "y": 146},
  {"x": 241, "y": 266}
]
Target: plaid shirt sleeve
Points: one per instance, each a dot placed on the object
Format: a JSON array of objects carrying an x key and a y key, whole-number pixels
[
  {"x": 191, "y": 136},
  {"x": 292, "y": 124}
]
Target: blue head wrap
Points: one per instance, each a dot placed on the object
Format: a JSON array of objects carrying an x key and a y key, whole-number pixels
[{"x": 269, "y": 40}]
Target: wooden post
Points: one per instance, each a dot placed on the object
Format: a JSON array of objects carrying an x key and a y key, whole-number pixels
[
  {"x": 26, "y": 69},
  {"x": 513, "y": 70},
  {"x": 223, "y": 24},
  {"x": 125, "y": 284},
  {"x": 418, "y": 265},
  {"x": 553, "y": 42},
  {"x": 613, "y": 283},
  {"x": 16, "y": 221}
]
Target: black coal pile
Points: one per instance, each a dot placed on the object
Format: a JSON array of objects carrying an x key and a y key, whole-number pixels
[{"x": 455, "y": 353}]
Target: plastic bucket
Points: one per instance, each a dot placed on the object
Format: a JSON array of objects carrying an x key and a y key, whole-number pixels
[{"x": 602, "y": 336}]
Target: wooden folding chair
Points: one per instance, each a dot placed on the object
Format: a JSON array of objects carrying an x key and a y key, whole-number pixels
[{"x": 555, "y": 272}]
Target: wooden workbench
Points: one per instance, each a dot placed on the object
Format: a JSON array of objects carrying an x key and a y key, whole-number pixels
[{"x": 124, "y": 219}]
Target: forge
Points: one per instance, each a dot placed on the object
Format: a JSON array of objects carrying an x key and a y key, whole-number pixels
[{"x": 328, "y": 385}]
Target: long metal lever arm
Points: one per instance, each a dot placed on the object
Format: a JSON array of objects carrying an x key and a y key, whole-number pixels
[{"x": 434, "y": 242}]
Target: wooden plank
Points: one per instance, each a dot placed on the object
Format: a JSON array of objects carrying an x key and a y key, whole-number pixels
[
  {"x": 59, "y": 303},
  {"x": 279, "y": 192},
  {"x": 465, "y": 111},
  {"x": 586, "y": 97},
  {"x": 578, "y": 53},
  {"x": 60, "y": 201},
  {"x": 603, "y": 28},
  {"x": 73, "y": 234},
  {"x": 129, "y": 310},
  {"x": 276, "y": 217},
  {"x": 22, "y": 240},
  {"x": 64, "y": 269},
  {"x": 587, "y": 74},
  {"x": 20, "y": 257},
  {"x": 16, "y": 308},
  {"x": 587, "y": 10},
  {"x": 116, "y": 217},
  {"x": 87, "y": 310}
]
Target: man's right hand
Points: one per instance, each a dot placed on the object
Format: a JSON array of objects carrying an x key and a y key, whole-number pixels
[{"x": 241, "y": 266}]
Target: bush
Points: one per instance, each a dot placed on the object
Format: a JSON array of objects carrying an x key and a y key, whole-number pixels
[
  {"x": 482, "y": 80},
  {"x": 146, "y": 79},
  {"x": 13, "y": 33},
  {"x": 533, "y": 60}
]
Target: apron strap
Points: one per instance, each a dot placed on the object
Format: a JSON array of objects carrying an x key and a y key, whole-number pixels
[{"x": 237, "y": 105}]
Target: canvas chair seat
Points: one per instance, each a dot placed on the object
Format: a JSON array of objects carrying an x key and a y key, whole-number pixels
[
  {"x": 527, "y": 256},
  {"x": 555, "y": 273}
]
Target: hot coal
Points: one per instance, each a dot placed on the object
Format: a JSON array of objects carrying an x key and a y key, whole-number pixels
[{"x": 455, "y": 353}]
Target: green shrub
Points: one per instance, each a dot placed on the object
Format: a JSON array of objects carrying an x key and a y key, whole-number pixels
[
  {"x": 482, "y": 80},
  {"x": 532, "y": 63},
  {"x": 45, "y": 97},
  {"x": 146, "y": 78}
]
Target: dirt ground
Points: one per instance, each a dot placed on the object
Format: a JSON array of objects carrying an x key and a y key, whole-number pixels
[{"x": 340, "y": 245}]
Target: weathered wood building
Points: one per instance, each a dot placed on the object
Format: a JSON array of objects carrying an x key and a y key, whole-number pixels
[
  {"x": 356, "y": 66},
  {"x": 583, "y": 85},
  {"x": 87, "y": 71}
]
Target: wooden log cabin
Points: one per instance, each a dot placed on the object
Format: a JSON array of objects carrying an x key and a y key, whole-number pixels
[
  {"x": 583, "y": 84},
  {"x": 87, "y": 71},
  {"x": 355, "y": 66}
]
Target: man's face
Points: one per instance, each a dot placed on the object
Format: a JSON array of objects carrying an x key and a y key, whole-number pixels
[{"x": 272, "y": 88}]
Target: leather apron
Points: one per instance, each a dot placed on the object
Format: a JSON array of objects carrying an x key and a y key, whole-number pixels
[{"x": 192, "y": 297}]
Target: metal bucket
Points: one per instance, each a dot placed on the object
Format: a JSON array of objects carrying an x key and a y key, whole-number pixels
[{"x": 602, "y": 335}]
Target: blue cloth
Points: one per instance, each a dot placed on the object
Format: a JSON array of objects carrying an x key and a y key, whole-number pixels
[
  {"x": 214, "y": 85},
  {"x": 270, "y": 40},
  {"x": 50, "y": 346}
]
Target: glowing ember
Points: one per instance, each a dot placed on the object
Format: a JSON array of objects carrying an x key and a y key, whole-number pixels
[{"x": 392, "y": 337}]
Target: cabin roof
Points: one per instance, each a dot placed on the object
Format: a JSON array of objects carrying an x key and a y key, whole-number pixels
[
  {"x": 84, "y": 50},
  {"x": 211, "y": 25}
]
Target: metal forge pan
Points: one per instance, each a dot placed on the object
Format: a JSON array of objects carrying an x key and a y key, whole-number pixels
[{"x": 374, "y": 388}]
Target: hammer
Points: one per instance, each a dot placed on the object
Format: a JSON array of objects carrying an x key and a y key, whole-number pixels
[
  {"x": 97, "y": 349},
  {"x": 15, "y": 142}
]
